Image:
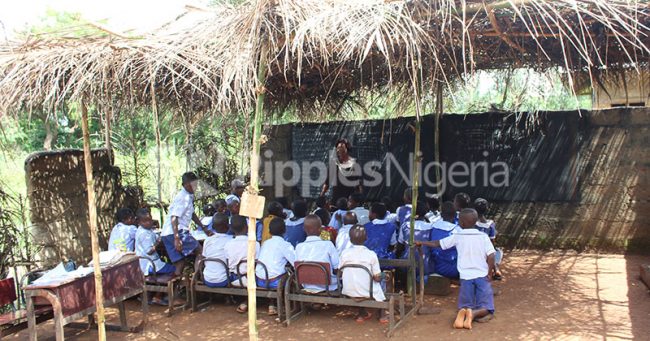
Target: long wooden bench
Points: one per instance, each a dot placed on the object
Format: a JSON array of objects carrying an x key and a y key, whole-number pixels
[
  {"x": 165, "y": 283},
  {"x": 314, "y": 273},
  {"x": 197, "y": 285}
]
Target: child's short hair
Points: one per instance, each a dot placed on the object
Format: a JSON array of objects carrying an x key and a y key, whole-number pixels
[
  {"x": 220, "y": 223},
  {"x": 220, "y": 203},
  {"x": 421, "y": 209},
  {"x": 350, "y": 218},
  {"x": 447, "y": 210},
  {"x": 324, "y": 215},
  {"x": 357, "y": 198},
  {"x": 188, "y": 177},
  {"x": 378, "y": 209},
  {"x": 299, "y": 208},
  {"x": 434, "y": 202},
  {"x": 481, "y": 206},
  {"x": 123, "y": 214},
  {"x": 238, "y": 224},
  {"x": 358, "y": 234},
  {"x": 142, "y": 213},
  {"x": 462, "y": 199},
  {"x": 275, "y": 208},
  {"x": 342, "y": 204},
  {"x": 208, "y": 210},
  {"x": 277, "y": 227}
]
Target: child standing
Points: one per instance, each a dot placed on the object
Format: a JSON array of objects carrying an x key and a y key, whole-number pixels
[
  {"x": 314, "y": 249},
  {"x": 237, "y": 252},
  {"x": 488, "y": 227},
  {"x": 355, "y": 281},
  {"x": 214, "y": 274},
  {"x": 380, "y": 232},
  {"x": 295, "y": 226},
  {"x": 475, "y": 265},
  {"x": 123, "y": 234},
  {"x": 146, "y": 242},
  {"x": 275, "y": 254}
]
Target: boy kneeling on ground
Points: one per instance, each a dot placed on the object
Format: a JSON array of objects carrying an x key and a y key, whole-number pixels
[
  {"x": 355, "y": 281},
  {"x": 475, "y": 265}
]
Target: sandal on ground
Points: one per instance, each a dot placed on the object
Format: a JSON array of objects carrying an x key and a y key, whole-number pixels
[
  {"x": 361, "y": 318},
  {"x": 242, "y": 308},
  {"x": 272, "y": 310},
  {"x": 384, "y": 320}
]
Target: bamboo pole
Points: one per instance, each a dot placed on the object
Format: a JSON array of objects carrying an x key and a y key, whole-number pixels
[
  {"x": 417, "y": 164},
  {"x": 107, "y": 131},
  {"x": 92, "y": 222},
  {"x": 156, "y": 121},
  {"x": 254, "y": 188}
]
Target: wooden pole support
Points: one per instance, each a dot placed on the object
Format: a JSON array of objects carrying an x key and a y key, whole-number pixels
[{"x": 92, "y": 222}]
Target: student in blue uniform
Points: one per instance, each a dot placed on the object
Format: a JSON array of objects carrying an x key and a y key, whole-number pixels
[
  {"x": 461, "y": 201},
  {"x": 475, "y": 265},
  {"x": 381, "y": 233},
  {"x": 488, "y": 227},
  {"x": 444, "y": 262},
  {"x": 295, "y": 225},
  {"x": 422, "y": 233},
  {"x": 123, "y": 234},
  {"x": 405, "y": 210},
  {"x": 275, "y": 254},
  {"x": 337, "y": 217}
]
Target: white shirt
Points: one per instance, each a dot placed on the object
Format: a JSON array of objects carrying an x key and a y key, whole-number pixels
[
  {"x": 145, "y": 239},
  {"x": 473, "y": 248},
  {"x": 288, "y": 213},
  {"x": 122, "y": 238},
  {"x": 355, "y": 281},
  {"x": 183, "y": 208},
  {"x": 343, "y": 238},
  {"x": 334, "y": 222},
  {"x": 362, "y": 215},
  {"x": 237, "y": 251},
  {"x": 275, "y": 254},
  {"x": 314, "y": 249},
  {"x": 214, "y": 247}
]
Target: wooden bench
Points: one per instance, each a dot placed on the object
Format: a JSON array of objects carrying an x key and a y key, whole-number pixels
[
  {"x": 16, "y": 320},
  {"x": 197, "y": 285},
  {"x": 165, "y": 283},
  {"x": 315, "y": 273}
]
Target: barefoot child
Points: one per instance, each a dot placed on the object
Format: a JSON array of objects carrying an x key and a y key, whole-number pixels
[
  {"x": 275, "y": 253},
  {"x": 475, "y": 265},
  {"x": 355, "y": 281}
]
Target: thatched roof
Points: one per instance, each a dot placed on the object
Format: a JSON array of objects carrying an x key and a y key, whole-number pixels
[{"x": 323, "y": 52}]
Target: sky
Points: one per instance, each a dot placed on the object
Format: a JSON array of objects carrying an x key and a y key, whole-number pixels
[{"x": 120, "y": 15}]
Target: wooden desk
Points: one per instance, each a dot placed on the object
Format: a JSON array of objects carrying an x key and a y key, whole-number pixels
[{"x": 75, "y": 298}]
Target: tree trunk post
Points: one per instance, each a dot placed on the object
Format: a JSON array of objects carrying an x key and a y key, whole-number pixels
[{"x": 92, "y": 222}]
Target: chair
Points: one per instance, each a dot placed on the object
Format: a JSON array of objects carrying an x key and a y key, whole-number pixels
[
  {"x": 16, "y": 320},
  {"x": 165, "y": 283}
]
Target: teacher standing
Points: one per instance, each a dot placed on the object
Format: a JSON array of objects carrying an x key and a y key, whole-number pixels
[{"x": 343, "y": 173}]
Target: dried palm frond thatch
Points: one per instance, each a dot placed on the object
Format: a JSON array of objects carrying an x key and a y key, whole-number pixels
[{"x": 321, "y": 53}]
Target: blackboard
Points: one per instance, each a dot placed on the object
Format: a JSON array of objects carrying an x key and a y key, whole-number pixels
[{"x": 541, "y": 156}]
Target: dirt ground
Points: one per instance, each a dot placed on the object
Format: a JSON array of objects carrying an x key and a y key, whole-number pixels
[{"x": 544, "y": 296}]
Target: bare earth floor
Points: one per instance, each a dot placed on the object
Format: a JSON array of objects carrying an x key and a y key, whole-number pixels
[{"x": 544, "y": 296}]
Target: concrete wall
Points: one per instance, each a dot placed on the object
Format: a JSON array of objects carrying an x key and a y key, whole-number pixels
[
  {"x": 613, "y": 209},
  {"x": 56, "y": 188}
]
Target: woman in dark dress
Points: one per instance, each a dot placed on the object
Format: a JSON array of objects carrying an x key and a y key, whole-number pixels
[{"x": 344, "y": 173}]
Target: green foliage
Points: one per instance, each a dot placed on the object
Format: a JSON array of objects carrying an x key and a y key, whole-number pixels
[{"x": 64, "y": 24}]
